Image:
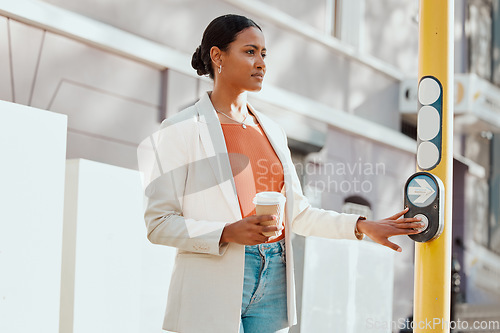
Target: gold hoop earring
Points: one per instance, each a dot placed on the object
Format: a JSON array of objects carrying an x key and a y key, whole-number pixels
[{"x": 220, "y": 69}]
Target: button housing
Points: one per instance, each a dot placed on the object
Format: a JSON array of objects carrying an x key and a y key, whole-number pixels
[{"x": 432, "y": 211}]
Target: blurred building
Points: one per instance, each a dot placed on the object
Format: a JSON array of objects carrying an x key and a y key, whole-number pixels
[{"x": 341, "y": 80}]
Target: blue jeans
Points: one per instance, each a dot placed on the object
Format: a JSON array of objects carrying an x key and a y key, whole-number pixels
[{"x": 264, "y": 308}]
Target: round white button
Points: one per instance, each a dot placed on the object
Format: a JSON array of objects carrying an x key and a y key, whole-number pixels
[{"x": 425, "y": 221}]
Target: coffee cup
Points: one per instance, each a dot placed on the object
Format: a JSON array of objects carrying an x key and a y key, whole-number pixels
[{"x": 270, "y": 203}]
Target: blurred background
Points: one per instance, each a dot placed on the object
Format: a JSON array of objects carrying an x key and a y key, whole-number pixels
[{"x": 83, "y": 82}]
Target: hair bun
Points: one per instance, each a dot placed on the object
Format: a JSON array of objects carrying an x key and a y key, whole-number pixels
[{"x": 197, "y": 62}]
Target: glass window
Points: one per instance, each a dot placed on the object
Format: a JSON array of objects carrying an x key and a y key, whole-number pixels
[{"x": 480, "y": 37}]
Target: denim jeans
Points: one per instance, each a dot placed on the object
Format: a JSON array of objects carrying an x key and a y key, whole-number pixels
[{"x": 264, "y": 305}]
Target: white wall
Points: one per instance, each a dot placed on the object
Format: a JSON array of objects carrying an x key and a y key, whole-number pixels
[
  {"x": 114, "y": 279},
  {"x": 33, "y": 147}
]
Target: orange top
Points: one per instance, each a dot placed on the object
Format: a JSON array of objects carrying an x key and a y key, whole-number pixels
[{"x": 255, "y": 166}]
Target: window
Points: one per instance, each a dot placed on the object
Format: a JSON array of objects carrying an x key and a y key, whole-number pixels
[
  {"x": 344, "y": 20},
  {"x": 479, "y": 24}
]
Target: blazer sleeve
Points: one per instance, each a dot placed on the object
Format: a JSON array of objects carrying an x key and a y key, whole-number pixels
[
  {"x": 163, "y": 215},
  {"x": 311, "y": 221}
]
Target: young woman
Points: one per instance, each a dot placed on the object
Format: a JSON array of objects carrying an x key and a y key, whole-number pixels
[{"x": 213, "y": 158}]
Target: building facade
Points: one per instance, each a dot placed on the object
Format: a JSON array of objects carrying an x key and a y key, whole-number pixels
[{"x": 339, "y": 81}]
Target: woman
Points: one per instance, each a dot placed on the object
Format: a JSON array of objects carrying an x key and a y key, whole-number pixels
[{"x": 228, "y": 276}]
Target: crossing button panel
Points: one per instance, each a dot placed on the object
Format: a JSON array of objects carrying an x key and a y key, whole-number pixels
[{"x": 424, "y": 196}]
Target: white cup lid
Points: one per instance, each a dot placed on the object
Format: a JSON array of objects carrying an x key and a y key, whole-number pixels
[{"x": 269, "y": 198}]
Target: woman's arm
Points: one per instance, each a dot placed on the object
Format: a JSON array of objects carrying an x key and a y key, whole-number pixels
[{"x": 311, "y": 221}]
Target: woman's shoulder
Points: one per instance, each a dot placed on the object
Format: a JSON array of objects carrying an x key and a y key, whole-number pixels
[
  {"x": 269, "y": 122},
  {"x": 261, "y": 116},
  {"x": 181, "y": 118}
]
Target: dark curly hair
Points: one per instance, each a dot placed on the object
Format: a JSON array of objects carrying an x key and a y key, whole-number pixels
[{"x": 221, "y": 32}]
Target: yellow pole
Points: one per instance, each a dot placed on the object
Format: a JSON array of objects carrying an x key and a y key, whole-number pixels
[{"x": 433, "y": 258}]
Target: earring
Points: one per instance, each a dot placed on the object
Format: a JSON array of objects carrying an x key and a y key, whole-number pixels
[{"x": 220, "y": 69}]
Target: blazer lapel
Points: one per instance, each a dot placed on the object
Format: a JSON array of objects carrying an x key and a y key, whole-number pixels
[{"x": 213, "y": 141}]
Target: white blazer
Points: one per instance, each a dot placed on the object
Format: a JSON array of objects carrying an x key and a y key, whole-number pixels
[{"x": 190, "y": 199}]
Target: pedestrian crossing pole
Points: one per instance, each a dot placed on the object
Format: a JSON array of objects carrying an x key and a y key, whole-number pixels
[{"x": 435, "y": 156}]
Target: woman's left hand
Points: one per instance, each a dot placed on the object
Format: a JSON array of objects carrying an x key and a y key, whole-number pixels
[{"x": 380, "y": 231}]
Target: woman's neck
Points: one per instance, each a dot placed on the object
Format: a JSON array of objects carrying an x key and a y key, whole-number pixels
[{"x": 233, "y": 104}]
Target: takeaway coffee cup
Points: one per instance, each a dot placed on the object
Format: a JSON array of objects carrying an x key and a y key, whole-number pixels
[{"x": 270, "y": 203}]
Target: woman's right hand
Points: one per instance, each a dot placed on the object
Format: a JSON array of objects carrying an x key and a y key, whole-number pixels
[{"x": 248, "y": 231}]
